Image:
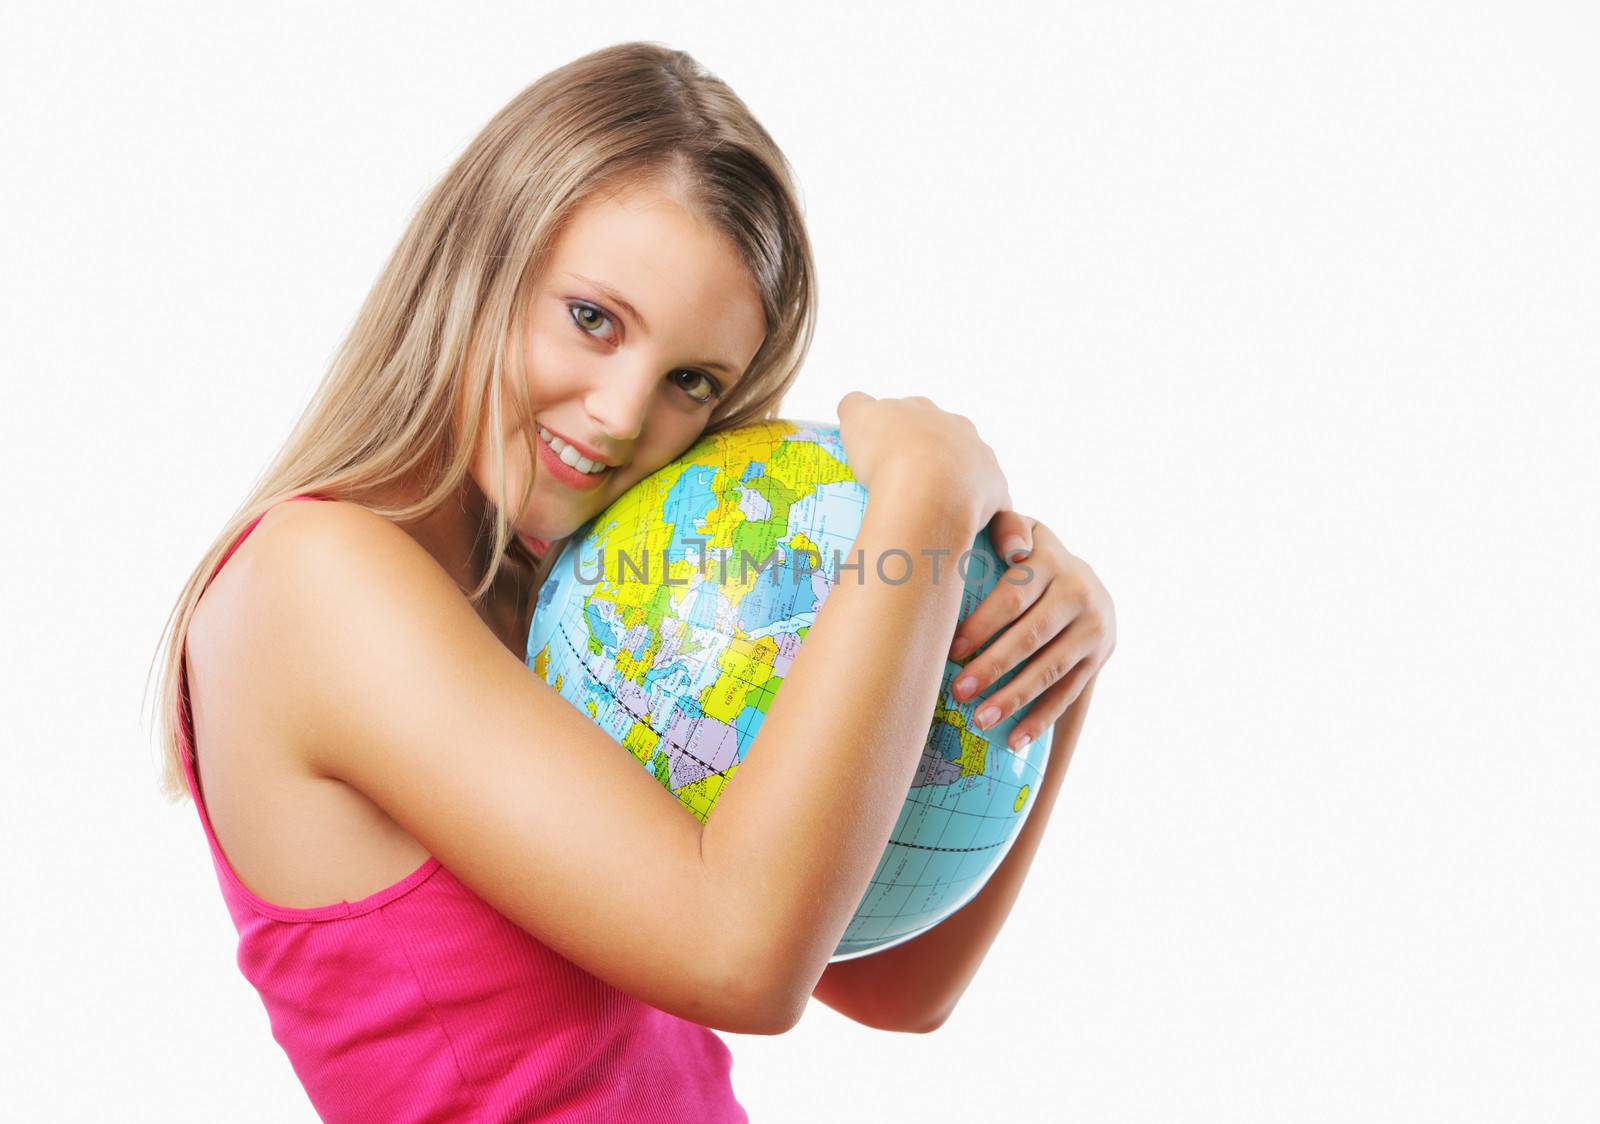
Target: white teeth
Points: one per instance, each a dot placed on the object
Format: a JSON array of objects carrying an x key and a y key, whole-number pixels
[{"x": 570, "y": 456}]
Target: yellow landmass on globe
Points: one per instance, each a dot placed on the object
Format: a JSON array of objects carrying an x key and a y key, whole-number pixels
[
  {"x": 743, "y": 665},
  {"x": 641, "y": 740},
  {"x": 701, "y": 795},
  {"x": 974, "y": 747}
]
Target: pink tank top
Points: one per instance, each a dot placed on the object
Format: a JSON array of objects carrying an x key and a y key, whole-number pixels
[{"x": 422, "y": 1002}]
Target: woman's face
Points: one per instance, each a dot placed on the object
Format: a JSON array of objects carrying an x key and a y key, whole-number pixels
[{"x": 643, "y": 315}]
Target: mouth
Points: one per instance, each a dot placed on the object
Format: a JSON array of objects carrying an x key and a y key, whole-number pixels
[{"x": 568, "y": 465}]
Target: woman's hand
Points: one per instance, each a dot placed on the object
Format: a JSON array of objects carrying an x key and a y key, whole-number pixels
[
  {"x": 1061, "y": 621},
  {"x": 887, "y": 438}
]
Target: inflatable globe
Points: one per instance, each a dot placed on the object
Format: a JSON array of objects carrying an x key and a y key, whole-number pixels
[{"x": 655, "y": 623}]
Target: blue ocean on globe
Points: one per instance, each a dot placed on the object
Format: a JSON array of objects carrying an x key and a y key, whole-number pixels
[{"x": 672, "y": 618}]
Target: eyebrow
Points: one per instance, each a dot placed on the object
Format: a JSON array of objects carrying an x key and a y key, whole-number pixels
[{"x": 622, "y": 302}]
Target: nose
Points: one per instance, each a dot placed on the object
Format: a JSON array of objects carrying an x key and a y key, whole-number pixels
[{"x": 619, "y": 404}]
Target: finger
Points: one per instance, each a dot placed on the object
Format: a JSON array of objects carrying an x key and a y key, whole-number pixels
[
  {"x": 1052, "y": 666},
  {"x": 1042, "y": 670},
  {"x": 1048, "y": 708},
  {"x": 852, "y": 399},
  {"x": 1013, "y": 595},
  {"x": 1012, "y": 534}
]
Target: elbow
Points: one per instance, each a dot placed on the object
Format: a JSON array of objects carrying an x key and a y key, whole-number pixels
[
  {"x": 779, "y": 1007},
  {"x": 926, "y": 1026},
  {"x": 766, "y": 977},
  {"x": 920, "y": 1023},
  {"x": 781, "y": 1004},
  {"x": 779, "y": 1015},
  {"x": 754, "y": 999},
  {"x": 759, "y": 1012}
]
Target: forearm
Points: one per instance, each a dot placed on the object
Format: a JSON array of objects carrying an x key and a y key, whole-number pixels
[
  {"x": 915, "y": 985},
  {"x": 800, "y": 829}
]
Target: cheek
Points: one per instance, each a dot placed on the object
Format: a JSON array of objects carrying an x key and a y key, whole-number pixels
[
  {"x": 550, "y": 370},
  {"x": 672, "y": 439}
]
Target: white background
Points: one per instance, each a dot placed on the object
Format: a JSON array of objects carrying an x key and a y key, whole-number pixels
[{"x": 1283, "y": 316}]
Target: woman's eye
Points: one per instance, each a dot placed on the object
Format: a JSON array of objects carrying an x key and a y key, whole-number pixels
[
  {"x": 713, "y": 389},
  {"x": 587, "y": 317}
]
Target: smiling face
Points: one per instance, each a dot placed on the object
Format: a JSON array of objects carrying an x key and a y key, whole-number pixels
[{"x": 642, "y": 316}]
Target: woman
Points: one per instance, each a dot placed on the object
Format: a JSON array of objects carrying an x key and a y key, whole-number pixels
[{"x": 456, "y": 900}]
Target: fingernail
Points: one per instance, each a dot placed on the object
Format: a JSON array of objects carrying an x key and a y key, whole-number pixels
[
  {"x": 966, "y": 685},
  {"x": 1022, "y": 742},
  {"x": 987, "y": 715},
  {"x": 1013, "y": 549},
  {"x": 960, "y": 648}
]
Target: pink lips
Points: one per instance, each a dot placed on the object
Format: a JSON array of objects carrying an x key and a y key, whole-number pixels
[
  {"x": 578, "y": 445},
  {"x": 582, "y": 481}
]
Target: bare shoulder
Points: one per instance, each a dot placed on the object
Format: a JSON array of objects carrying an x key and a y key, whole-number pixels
[
  {"x": 238, "y": 624},
  {"x": 293, "y": 535},
  {"x": 294, "y": 837},
  {"x": 401, "y": 691},
  {"x": 311, "y": 597}
]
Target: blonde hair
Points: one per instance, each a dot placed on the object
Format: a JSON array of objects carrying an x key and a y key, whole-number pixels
[{"x": 435, "y": 333}]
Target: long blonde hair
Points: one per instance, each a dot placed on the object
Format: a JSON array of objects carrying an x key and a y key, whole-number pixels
[{"x": 430, "y": 351}]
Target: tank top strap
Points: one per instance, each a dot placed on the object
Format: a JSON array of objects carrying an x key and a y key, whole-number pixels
[
  {"x": 250, "y": 526},
  {"x": 185, "y": 732},
  {"x": 235, "y": 891}
]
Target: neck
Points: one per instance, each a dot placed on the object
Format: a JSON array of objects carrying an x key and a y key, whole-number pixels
[{"x": 459, "y": 535}]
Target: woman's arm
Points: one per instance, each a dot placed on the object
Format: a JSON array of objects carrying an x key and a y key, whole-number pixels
[
  {"x": 797, "y": 834},
  {"x": 914, "y": 986}
]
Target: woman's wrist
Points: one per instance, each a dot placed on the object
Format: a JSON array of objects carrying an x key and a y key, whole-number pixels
[{"x": 933, "y": 490}]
